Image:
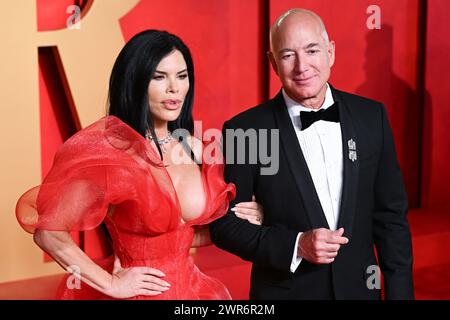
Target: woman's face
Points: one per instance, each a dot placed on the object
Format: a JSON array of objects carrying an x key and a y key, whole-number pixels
[{"x": 168, "y": 88}]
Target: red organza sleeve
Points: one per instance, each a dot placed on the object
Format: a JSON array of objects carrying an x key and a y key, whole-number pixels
[
  {"x": 74, "y": 194},
  {"x": 105, "y": 163},
  {"x": 74, "y": 201}
]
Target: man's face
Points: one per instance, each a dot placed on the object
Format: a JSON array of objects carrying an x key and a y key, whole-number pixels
[{"x": 301, "y": 58}]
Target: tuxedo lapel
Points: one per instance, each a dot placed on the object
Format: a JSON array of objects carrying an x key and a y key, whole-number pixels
[
  {"x": 351, "y": 166},
  {"x": 297, "y": 164}
]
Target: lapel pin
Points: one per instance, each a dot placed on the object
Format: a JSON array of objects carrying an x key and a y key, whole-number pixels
[{"x": 352, "y": 150}]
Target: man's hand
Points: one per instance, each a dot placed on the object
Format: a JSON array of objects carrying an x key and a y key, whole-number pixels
[{"x": 321, "y": 246}]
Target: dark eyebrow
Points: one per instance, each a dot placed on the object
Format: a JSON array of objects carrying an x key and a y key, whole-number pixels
[{"x": 162, "y": 72}]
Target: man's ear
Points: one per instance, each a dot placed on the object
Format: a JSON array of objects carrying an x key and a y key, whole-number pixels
[
  {"x": 331, "y": 52},
  {"x": 273, "y": 63}
]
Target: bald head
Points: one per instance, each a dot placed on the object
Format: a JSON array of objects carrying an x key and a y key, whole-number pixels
[
  {"x": 297, "y": 18},
  {"x": 302, "y": 56}
]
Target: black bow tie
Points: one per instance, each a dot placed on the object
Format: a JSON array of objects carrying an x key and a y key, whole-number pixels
[{"x": 307, "y": 118}]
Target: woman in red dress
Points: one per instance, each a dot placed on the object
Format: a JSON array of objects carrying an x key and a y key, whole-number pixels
[{"x": 139, "y": 171}]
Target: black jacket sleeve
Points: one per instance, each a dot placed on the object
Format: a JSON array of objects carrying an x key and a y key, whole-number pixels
[
  {"x": 267, "y": 246},
  {"x": 391, "y": 230}
]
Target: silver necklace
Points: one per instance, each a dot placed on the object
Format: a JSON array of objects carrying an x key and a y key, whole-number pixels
[{"x": 162, "y": 141}]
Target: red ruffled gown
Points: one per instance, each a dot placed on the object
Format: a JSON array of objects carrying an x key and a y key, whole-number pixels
[{"x": 110, "y": 163}]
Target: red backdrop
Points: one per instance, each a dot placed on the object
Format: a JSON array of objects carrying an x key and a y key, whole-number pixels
[{"x": 436, "y": 142}]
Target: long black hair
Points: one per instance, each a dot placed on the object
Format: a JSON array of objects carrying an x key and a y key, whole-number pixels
[{"x": 132, "y": 72}]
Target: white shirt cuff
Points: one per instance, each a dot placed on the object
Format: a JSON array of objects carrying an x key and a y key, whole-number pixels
[{"x": 295, "y": 258}]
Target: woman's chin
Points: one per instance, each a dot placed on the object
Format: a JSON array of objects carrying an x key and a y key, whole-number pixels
[{"x": 167, "y": 116}]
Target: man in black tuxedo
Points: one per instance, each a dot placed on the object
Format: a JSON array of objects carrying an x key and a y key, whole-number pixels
[{"x": 337, "y": 190}]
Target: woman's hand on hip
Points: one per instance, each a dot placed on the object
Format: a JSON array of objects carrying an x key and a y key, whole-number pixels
[{"x": 135, "y": 281}]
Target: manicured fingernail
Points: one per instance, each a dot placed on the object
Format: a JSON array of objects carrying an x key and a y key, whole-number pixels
[{"x": 233, "y": 209}]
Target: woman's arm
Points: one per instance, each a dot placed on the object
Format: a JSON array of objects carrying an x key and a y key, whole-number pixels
[
  {"x": 252, "y": 211},
  {"x": 123, "y": 283}
]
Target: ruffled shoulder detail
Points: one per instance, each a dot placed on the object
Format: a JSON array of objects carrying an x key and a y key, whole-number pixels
[
  {"x": 219, "y": 193},
  {"x": 106, "y": 163}
]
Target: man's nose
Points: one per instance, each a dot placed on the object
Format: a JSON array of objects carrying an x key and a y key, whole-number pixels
[{"x": 301, "y": 65}]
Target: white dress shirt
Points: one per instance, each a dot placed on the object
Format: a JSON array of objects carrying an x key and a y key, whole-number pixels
[{"x": 321, "y": 145}]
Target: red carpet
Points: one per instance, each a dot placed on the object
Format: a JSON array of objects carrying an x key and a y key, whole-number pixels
[
  {"x": 431, "y": 240},
  {"x": 432, "y": 283}
]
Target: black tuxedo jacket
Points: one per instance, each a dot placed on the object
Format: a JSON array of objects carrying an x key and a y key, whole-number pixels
[{"x": 373, "y": 208}]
